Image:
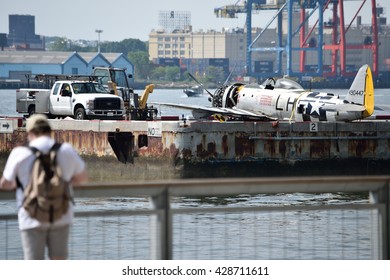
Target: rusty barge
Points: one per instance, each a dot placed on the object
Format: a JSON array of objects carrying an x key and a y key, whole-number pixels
[{"x": 182, "y": 148}]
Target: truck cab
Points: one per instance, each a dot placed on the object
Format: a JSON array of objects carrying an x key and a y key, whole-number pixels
[
  {"x": 83, "y": 100},
  {"x": 78, "y": 99}
]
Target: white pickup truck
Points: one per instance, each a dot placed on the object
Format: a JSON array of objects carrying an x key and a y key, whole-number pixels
[{"x": 79, "y": 99}]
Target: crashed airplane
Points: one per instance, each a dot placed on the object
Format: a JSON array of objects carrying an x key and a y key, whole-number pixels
[{"x": 285, "y": 99}]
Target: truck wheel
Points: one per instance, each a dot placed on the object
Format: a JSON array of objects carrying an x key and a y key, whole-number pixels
[
  {"x": 79, "y": 114},
  {"x": 31, "y": 110}
]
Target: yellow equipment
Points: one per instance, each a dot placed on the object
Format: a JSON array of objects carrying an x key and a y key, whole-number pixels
[{"x": 144, "y": 97}]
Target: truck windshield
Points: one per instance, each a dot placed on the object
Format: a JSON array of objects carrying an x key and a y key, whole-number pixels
[
  {"x": 119, "y": 77},
  {"x": 88, "y": 88}
]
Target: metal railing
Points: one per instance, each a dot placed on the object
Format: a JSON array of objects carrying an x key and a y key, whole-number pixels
[{"x": 234, "y": 218}]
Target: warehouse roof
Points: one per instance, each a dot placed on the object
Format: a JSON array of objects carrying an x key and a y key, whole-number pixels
[{"x": 50, "y": 57}]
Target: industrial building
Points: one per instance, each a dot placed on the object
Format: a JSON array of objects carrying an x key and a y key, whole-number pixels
[
  {"x": 194, "y": 50},
  {"x": 22, "y": 35},
  {"x": 330, "y": 48},
  {"x": 16, "y": 65},
  {"x": 26, "y": 55}
]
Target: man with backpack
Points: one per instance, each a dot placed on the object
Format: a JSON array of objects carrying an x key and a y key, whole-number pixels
[{"x": 43, "y": 174}]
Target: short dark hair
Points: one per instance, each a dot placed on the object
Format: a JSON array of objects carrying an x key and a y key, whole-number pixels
[
  {"x": 40, "y": 128},
  {"x": 38, "y": 124}
]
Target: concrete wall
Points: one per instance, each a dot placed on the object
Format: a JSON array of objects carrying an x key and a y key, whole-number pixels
[{"x": 204, "y": 149}]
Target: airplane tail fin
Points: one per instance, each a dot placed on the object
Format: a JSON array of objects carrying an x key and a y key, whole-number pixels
[{"x": 362, "y": 91}]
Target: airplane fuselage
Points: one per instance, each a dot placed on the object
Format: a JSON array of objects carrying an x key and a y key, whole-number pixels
[{"x": 296, "y": 105}]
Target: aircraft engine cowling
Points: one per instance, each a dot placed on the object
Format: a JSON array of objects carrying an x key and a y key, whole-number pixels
[
  {"x": 216, "y": 99},
  {"x": 226, "y": 96}
]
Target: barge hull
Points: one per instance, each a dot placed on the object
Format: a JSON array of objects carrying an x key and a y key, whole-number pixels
[{"x": 209, "y": 149}]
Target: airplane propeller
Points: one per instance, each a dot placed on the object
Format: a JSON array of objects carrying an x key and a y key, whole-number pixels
[
  {"x": 216, "y": 98},
  {"x": 230, "y": 75},
  {"x": 200, "y": 84}
]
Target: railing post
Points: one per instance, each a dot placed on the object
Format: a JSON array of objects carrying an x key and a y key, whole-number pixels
[
  {"x": 382, "y": 196},
  {"x": 386, "y": 219},
  {"x": 161, "y": 228}
]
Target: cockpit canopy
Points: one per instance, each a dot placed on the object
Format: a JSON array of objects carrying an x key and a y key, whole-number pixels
[
  {"x": 282, "y": 83},
  {"x": 287, "y": 84}
]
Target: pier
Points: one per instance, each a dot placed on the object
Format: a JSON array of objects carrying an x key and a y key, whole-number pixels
[{"x": 211, "y": 148}]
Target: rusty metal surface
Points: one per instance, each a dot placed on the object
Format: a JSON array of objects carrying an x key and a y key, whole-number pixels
[
  {"x": 8, "y": 141},
  {"x": 213, "y": 149},
  {"x": 232, "y": 141},
  {"x": 85, "y": 142}
]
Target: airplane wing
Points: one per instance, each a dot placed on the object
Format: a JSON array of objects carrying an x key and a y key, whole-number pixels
[
  {"x": 346, "y": 107},
  {"x": 203, "y": 112}
]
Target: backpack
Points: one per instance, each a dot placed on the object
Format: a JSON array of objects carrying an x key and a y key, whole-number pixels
[{"x": 47, "y": 195}]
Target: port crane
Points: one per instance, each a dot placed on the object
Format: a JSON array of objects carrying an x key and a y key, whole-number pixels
[{"x": 338, "y": 46}]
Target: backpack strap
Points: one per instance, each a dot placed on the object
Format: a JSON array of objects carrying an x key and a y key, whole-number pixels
[
  {"x": 56, "y": 146},
  {"x": 55, "y": 149},
  {"x": 52, "y": 154},
  {"x": 18, "y": 183}
]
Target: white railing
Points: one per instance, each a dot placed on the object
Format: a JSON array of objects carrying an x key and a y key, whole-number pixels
[{"x": 233, "y": 218}]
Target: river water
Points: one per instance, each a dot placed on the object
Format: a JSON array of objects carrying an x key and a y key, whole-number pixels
[
  {"x": 8, "y": 100},
  {"x": 349, "y": 233}
]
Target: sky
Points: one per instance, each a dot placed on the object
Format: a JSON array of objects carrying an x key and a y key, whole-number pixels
[{"x": 123, "y": 19}]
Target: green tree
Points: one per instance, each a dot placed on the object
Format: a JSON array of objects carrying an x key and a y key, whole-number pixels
[
  {"x": 60, "y": 44},
  {"x": 141, "y": 62},
  {"x": 158, "y": 73},
  {"x": 186, "y": 77},
  {"x": 125, "y": 46},
  {"x": 215, "y": 74},
  {"x": 172, "y": 73}
]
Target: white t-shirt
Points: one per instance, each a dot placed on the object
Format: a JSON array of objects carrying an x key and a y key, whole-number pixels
[{"x": 20, "y": 163}]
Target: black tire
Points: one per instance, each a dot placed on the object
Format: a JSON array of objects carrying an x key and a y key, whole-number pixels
[{"x": 79, "y": 114}]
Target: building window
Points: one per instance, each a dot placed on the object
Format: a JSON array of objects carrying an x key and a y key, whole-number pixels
[
  {"x": 167, "y": 46},
  {"x": 160, "y": 53},
  {"x": 75, "y": 70},
  {"x": 182, "y": 46},
  {"x": 182, "y": 52},
  {"x": 160, "y": 46},
  {"x": 168, "y": 52},
  {"x": 159, "y": 39},
  {"x": 167, "y": 39},
  {"x": 182, "y": 39}
]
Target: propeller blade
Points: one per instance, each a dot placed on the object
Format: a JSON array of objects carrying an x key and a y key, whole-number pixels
[
  {"x": 192, "y": 77},
  {"x": 230, "y": 74}
]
